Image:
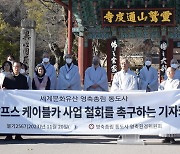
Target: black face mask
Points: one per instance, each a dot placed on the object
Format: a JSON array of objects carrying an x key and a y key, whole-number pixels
[{"x": 95, "y": 62}]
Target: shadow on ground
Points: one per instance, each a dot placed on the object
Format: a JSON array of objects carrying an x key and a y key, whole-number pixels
[
  {"x": 62, "y": 140},
  {"x": 148, "y": 140}
]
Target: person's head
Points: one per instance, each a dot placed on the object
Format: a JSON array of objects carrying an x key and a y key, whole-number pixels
[
  {"x": 170, "y": 72},
  {"x": 7, "y": 66},
  {"x": 16, "y": 68},
  {"x": 96, "y": 61},
  {"x": 174, "y": 63},
  {"x": 68, "y": 58},
  {"x": 10, "y": 58},
  {"x": 46, "y": 57},
  {"x": 23, "y": 68},
  {"x": 148, "y": 61},
  {"x": 40, "y": 70},
  {"x": 124, "y": 64}
]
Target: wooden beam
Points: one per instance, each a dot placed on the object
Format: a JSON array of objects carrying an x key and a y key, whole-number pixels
[
  {"x": 70, "y": 27},
  {"x": 62, "y": 4}
]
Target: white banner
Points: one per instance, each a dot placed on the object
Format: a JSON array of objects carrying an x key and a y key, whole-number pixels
[{"x": 82, "y": 112}]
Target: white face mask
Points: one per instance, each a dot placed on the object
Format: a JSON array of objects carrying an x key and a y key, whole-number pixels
[
  {"x": 148, "y": 63},
  {"x": 68, "y": 60},
  {"x": 174, "y": 66},
  {"x": 22, "y": 71},
  {"x": 45, "y": 60}
]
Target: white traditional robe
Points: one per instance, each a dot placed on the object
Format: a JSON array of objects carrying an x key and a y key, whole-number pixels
[
  {"x": 69, "y": 78},
  {"x": 170, "y": 84},
  {"x": 124, "y": 81},
  {"x": 51, "y": 73},
  {"x": 148, "y": 76},
  {"x": 176, "y": 75},
  {"x": 95, "y": 76},
  {"x": 2, "y": 77}
]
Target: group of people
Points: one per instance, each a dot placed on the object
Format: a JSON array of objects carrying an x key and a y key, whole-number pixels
[
  {"x": 14, "y": 76},
  {"x": 148, "y": 77},
  {"x": 95, "y": 79}
]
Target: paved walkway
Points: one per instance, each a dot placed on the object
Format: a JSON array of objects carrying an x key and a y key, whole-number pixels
[{"x": 85, "y": 145}]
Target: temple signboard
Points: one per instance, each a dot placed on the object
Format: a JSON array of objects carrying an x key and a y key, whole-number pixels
[{"x": 138, "y": 17}]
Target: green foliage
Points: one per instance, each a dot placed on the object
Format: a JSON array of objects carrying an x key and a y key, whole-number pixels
[
  {"x": 8, "y": 40},
  {"x": 36, "y": 11}
]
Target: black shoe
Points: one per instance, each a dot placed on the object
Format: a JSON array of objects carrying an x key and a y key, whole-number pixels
[
  {"x": 166, "y": 140},
  {"x": 172, "y": 141},
  {"x": 18, "y": 137},
  {"x": 8, "y": 138}
]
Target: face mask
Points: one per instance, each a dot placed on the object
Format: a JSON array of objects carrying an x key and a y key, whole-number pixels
[
  {"x": 68, "y": 60},
  {"x": 148, "y": 63},
  {"x": 45, "y": 60},
  {"x": 174, "y": 66},
  {"x": 22, "y": 71},
  {"x": 95, "y": 62}
]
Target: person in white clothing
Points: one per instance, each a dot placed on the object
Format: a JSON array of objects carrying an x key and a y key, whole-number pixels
[
  {"x": 69, "y": 77},
  {"x": 174, "y": 64},
  {"x": 6, "y": 72},
  {"x": 95, "y": 77},
  {"x": 124, "y": 79},
  {"x": 50, "y": 70},
  {"x": 169, "y": 84},
  {"x": 148, "y": 77}
]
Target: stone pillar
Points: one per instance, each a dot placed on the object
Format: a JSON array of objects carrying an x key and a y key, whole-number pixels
[{"x": 27, "y": 44}]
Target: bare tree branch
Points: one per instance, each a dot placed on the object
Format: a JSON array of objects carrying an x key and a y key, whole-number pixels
[{"x": 43, "y": 3}]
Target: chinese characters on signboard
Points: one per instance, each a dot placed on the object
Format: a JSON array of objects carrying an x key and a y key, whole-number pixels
[
  {"x": 138, "y": 17},
  {"x": 114, "y": 63},
  {"x": 26, "y": 45},
  {"x": 163, "y": 57}
]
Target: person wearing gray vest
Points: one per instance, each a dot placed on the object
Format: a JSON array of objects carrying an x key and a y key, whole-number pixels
[{"x": 41, "y": 81}]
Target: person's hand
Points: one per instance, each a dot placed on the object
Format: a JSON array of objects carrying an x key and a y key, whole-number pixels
[
  {"x": 69, "y": 88},
  {"x": 94, "y": 86},
  {"x": 2, "y": 88}
]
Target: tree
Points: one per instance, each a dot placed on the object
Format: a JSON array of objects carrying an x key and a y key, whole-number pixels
[
  {"x": 51, "y": 29},
  {"x": 8, "y": 43}
]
